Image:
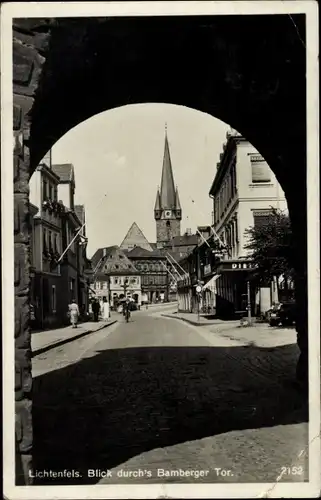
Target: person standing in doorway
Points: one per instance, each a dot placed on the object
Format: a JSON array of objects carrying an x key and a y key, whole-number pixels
[
  {"x": 106, "y": 309},
  {"x": 95, "y": 308},
  {"x": 74, "y": 313}
]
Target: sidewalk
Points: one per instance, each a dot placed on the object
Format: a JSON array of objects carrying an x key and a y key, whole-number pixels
[
  {"x": 48, "y": 339},
  {"x": 259, "y": 335},
  {"x": 193, "y": 319}
]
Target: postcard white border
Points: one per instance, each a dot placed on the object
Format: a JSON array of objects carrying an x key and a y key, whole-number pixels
[{"x": 92, "y": 9}]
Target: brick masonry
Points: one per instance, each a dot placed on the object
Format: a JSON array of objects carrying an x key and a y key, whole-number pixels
[{"x": 28, "y": 49}]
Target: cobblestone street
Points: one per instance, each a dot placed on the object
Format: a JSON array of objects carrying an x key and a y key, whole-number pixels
[{"x": 158, "y": 395}]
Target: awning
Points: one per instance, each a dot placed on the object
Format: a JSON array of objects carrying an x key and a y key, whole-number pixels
[{"x": 211, "y": 283}]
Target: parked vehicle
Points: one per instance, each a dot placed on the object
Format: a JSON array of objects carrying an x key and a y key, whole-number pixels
[{"x": 283, "y": 313}]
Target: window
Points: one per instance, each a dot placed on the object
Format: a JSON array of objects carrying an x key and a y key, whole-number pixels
[
  {"x": 116, "y": 266},
  {"x": 236, "y": 230},
  {"x": 44, "y": 240},
  {"x": 168, "y": 223},
  {"x": 50, "y": 240},
  {"x": 233, "y": 177},
  {"x": 53, "y": 298},
  {"x": 56, "y": 243},
  {"x": 260, "y": 170},
  {"x": 55, "y": 193},
  {"x": 262, "y": 217},
  {"x": 44, "y": 190},
  {"x": 116, "y": 281},
  {"x": 104, "y": 285},
  {"x": 133, "y": 281},
  {"x": 50, "y": 192}
]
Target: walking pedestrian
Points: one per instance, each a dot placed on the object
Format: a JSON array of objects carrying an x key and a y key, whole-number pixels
[
  {"x": 74, "y": 313},
  {"x": 95, "y": 308},
  {"x": 106, "y": 309}
]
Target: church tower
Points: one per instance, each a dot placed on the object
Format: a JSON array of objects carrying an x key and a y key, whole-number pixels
[{"x": 167, "y": 211}]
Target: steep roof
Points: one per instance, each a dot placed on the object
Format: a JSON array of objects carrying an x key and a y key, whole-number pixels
[
  {"x": 100, "y": 253},
  {"x": 135, "y": 237},
  {"x": 80, "y": 212},
  {"x": 65, "y": 171},
  {"x": 139, "y": 252},
  {"x": 112, "y": 260},
  {"x": 184, "y": 240},
  {"x": 167, "y": 190}
]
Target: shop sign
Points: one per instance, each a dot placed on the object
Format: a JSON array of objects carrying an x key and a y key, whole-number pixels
[
  {"x": 207, "y": 269},
  {"x": 237, "y": 266}
]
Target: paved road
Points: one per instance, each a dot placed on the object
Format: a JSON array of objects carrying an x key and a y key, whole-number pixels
[{"x": 158, "y": 395}]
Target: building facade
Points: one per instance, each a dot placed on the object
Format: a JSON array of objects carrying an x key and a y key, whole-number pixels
[
  {"x": 244, "y": 191},
  {"x": 115, "y": 276},
  {"x": 152, "y": 266},
  {"x": 56, "y": 272},
  {"x": 47, "y": 246},
  {"x": 167, "y": 210}
]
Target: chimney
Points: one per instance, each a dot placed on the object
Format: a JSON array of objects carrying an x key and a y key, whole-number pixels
[
  {"x": 104, "y": 252},
  {"x": 188, "y": 231}
]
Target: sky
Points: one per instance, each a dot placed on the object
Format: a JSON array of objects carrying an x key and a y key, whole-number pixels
[{"x": 118, "y": 156}]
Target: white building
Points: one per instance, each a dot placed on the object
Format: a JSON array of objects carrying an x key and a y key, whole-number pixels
[{"x": 244, "y": 192}]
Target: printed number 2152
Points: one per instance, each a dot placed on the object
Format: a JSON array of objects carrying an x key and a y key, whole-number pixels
[{"x": 295, "y": 471}]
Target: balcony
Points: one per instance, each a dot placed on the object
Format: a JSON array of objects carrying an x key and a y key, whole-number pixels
[{"x": 53, "y": 207}]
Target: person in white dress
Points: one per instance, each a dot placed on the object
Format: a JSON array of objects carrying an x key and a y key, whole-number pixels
[
  {"x": 106, "y": 309},
  {"x": 73, "y": 313}
]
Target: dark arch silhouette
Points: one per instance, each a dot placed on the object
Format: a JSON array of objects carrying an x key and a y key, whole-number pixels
[{"x": 248, "y": 71}]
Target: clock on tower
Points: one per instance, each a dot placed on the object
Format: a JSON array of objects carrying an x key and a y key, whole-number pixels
[{"x": 167, "y": 214}]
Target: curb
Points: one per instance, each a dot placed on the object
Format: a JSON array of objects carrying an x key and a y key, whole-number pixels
[
  {"x": 195, "y": 323},
  {"x": 46, "y": 348}
]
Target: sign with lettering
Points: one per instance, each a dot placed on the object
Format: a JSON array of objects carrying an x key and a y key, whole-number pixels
[{"x": 239, "y": 265}]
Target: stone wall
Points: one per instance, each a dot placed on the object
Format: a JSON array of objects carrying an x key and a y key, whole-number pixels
[
  {"x": 30, "y": 40},
  {"x": 163, "y": 232}
]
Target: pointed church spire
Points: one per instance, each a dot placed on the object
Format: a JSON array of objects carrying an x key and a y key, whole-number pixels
[
  {"x": 178, "y": 205},
  {"x": 157, "y": 202},
  {"x": 167, "y": 192}
]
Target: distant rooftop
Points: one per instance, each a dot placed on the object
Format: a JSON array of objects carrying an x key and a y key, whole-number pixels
[{"x": 65, "y": 171}]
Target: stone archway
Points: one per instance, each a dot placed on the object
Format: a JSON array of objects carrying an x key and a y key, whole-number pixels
[{"x": 248, "y": 73}]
